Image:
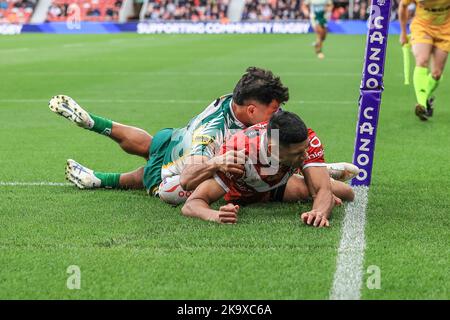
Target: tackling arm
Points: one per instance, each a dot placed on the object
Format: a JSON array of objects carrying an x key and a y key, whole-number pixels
[
  {"x": 199, "y": 168},
  {"x": 198, "y": 204}
]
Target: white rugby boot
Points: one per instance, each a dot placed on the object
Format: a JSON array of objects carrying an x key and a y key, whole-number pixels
[
  {"x": 81, "y": 176},
  {"x": 66, "y": 107}
]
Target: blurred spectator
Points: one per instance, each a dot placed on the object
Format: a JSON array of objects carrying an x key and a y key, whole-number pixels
[
  {"x": 190, "y": 10},
  {"x": 94, "y": 12},
  {"x": 3, "y": 5},
  {"x": 16, "y": 11},
  {"x": 263, "y": 10},
  {"x": 91, "y": 10}
]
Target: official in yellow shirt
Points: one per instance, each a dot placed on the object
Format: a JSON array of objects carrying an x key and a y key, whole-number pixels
[{"x": 430, "y": 39}]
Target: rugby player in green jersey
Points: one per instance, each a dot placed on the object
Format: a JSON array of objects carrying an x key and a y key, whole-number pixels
[
  {"x": 178, "y": 160},
  {"x": 318, "y": 10}
]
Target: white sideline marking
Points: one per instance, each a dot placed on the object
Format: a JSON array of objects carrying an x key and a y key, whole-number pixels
[
  {"x": 170, "y": 101},
  {"x": 349, "y": 270},
  {"x": 26, "y": 184}
]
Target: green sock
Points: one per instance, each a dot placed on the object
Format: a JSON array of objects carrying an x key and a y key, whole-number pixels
[
  {"x": 109, "y": 180},
  {"x": 432, "y": 84},
  {"x": 101, "y": 125},
  {"x": 421, "y": 85}
]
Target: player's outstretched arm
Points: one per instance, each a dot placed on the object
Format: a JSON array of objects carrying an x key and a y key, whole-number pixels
[
  {"x": 198, "y": 204},
  {"x": 318, "y": 182},
  {"x": 199, "y": 168}
]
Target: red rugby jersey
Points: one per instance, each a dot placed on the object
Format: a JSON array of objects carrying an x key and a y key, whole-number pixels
[{"x": 259, "y": 176}]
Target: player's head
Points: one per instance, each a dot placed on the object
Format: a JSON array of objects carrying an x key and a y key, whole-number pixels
[
  {"x": 258, "y": 94},
  {"x": 292, "y": 139}
]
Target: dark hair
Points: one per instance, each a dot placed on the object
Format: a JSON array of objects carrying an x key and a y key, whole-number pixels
[
  {"x": 260, "y": 85},
  {"x": 291, "y": 128}
]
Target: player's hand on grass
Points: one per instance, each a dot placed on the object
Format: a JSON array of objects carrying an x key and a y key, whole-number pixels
[
  {"x": 228, "y": 214},
  {"x": 315, "y": 218},
  {"x": 403, "y": 38},
  {"x": 232, "y": 162}
]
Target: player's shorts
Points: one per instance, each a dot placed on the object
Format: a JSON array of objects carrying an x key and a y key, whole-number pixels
[
  {"x": 319, "y": 19},
  {"x": 436, "y": 35},
  {"x": 152, "y": 170}
]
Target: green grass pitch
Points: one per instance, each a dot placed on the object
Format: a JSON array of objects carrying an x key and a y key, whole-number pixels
[{"x": 129, "y": 245}]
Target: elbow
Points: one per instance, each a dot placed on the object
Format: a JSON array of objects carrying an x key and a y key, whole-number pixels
[{"x": 186, "y": 209}]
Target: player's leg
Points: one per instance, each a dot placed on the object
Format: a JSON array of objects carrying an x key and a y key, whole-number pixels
[
  {"x": 422, "y": 54},
  {"x": 131, "y": 139},
  {"x": 320, "y": 32},
  {"x": 132, "y": 180},
  {"x": 85, "y": 178},
  {"x": 297, "y": 190},
  {"x": 148, "y": 177},
  {"x": 324, "y": 33},
  {"x": 438, "y": 61}
]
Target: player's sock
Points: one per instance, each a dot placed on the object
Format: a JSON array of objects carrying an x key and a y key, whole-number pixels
[
  {"x": 421, "y": 85},
  {"x": 432, "y": 84},
  {"x": 109, "y": 180},
  {"x": 101, "y": 125}
]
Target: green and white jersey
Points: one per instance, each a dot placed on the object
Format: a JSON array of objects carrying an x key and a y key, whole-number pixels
[
  {"x": 317, "y": 10},
  {"x": 318, "y": 5},
  {"x": 203, "y": 135}
]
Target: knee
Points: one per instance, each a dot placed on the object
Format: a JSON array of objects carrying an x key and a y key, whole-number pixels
[{"x": 422, "y": 62}]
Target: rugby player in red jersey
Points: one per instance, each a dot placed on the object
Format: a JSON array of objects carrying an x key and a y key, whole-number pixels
[{"x": 274, "y": 152}]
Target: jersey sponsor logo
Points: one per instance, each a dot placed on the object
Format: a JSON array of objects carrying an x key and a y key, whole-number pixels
[
  {"x": 315, "y": 142},
  {"x": 315, "y": 155},
  {"x": 202, "y": 139}
]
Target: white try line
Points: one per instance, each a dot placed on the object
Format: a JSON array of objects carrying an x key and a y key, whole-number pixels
[
  {"x": 348, "y": 277},
  {"x": 349, "y": 270},
  {"x": 33, "y": 184},
  {"x": 169, "y": 101}
]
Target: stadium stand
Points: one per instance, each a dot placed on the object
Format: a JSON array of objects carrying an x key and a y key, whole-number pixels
[
  {"x": 16, "y": 11},
  {"x": 188, "y": 10},
  {"x": 91, "y": 10},
  {"x": 266, "y": 10},
  {"x": 20, "y": 11}
]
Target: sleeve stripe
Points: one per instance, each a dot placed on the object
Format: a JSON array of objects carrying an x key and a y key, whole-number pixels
[
  {"x": 314, "y": 164},
  {"x": 221, "y": 183}
]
